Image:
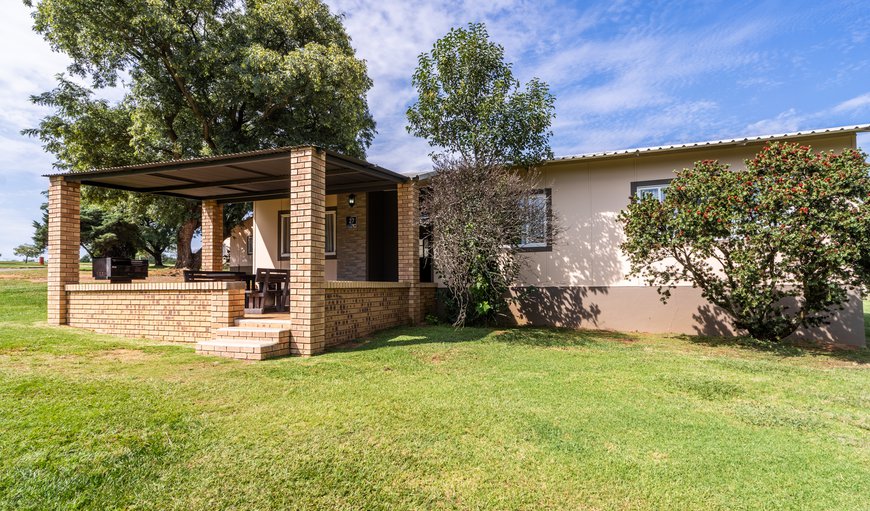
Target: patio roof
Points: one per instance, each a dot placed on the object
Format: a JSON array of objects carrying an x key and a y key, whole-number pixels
[{"x": 238, "y": 177}]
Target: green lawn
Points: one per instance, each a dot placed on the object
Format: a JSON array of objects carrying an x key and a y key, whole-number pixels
[{"x": 427, "y": 418}]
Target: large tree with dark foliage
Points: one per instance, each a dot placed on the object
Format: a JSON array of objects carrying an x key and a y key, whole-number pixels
[
  {"x": 200, "y": 77},
  {"x": 776, "y": 246}
]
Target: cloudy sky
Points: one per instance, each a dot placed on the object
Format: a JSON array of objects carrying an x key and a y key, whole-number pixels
[{"x": 625, "y": 74}]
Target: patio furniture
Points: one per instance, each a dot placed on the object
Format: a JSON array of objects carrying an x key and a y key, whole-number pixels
[
  {"x": 270, "y": 291},
  {"x": 214, "y": 276},
  {"x": 221, "y": 276}
]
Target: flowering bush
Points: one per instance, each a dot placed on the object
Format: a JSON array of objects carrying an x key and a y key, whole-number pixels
[{"x": 776, "y": 246}]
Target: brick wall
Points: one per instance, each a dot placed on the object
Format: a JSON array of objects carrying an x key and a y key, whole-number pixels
[
  {"x": 351, "y": 244},
  {"x": 171, "y": 311},
  {"x": 63, "y": 244},
  {"x": 428, "y": 299},
  {"x": 357, "y": 309},
  {"x": 408, "y": 197}
]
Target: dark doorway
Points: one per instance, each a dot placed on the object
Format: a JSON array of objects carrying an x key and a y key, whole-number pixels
[{"x": 383, "y": 236}]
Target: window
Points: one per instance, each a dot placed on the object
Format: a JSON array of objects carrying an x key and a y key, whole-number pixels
[
  {"x": 283, "y": 235},
  {"x": 657, "y": 189},
  {"x": 330, "y": 232},
  {"x": 250, "y": 244},
  {"x": 537, "y": 229}
]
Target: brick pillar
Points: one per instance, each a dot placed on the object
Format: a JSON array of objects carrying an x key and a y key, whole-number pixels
[
  {"x": 409, "y": 246},
  {"x": 212, "y": 236},
  {"x": 64, "y": 219},
  {"x": 307, "y": 245}
]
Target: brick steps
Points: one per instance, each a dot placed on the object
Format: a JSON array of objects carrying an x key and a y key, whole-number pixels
[{"x": 250, "y": 339}]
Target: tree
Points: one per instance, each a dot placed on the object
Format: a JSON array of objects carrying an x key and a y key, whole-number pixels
[
  {"x": 481, "y": 201},
  {"x": 479, "y": 216},
  {"x": 26, "y": 251},
  {"x": 470, "y": 105},
  {"x": 40, "y": 229},
  {"x": 108, "y": 233},
  {"x": 776, "y": 246},
  {"x": 202, "y": 77}
]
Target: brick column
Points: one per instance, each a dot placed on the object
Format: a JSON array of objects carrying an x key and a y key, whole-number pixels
[
  {"x": 307, "y": 245},
  {"x": 212, "y": 236},
  {"x": 409, "y": 246},
  {"x": 64, "y": 219}
]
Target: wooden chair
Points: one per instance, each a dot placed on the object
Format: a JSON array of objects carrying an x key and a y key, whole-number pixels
[
  {"x": 213, "y": 276},
  {"x": 221, "y": 276},
  {"x": 270, "y": 291}
]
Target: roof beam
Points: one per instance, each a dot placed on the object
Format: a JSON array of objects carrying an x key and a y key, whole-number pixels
[{"x": 203, "y": 184}]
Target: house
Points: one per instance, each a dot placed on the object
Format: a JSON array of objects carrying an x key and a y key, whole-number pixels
[
  {"x": 581, "y": 281},
  {"x": 239, "y": 247},
  {"x": 348, "y": 232}
]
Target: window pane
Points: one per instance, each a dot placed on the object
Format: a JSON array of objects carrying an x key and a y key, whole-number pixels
[
  {"x": 658, "y": 192},
  {"x": 285, "y": 235},
  {"x": 330, "y": 232},
  {"x": 536, "y": 228}
]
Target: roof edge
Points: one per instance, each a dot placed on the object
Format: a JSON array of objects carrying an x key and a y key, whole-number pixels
[{"x": 858, "y": 128}]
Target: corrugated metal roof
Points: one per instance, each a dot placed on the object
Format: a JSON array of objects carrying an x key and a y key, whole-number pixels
[{"x": 712, "y": 143}]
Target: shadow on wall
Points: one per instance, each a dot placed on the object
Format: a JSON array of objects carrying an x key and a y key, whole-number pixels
[
  {"x": 712, "y": 321},
  {"x": 846, "y": 325},
  {"x": 587, "y": 254},
  {"x": 566, "y": 307},
  {"x": 585, "y": 261}
]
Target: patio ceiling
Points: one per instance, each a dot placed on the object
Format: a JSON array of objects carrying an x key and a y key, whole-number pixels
[{"x": 239, "y": 177}]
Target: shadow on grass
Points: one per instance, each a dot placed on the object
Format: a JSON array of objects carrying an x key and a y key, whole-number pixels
[
  {"x": 521, "y": 336},
  {"x": 784, "y": 349}
]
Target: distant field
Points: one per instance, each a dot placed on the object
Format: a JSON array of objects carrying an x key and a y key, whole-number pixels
[{"x": 18, "y": 264}]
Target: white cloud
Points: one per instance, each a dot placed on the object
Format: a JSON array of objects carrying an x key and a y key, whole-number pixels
[
  {"x": 861, "y": 102},
  {"x": 785, "y": 122}
]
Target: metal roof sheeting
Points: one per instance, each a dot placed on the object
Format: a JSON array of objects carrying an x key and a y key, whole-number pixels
[{"x": 713, "y": 143}]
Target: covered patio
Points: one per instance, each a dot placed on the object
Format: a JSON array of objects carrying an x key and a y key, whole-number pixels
[{"x": 297, "y": 184}]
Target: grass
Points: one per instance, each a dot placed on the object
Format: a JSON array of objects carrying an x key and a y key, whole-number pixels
[
  {"x": 19, "y": 264},
  {"x": 427, "y": 418}
]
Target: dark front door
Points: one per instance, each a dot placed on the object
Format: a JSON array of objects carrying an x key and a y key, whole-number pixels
[{"x": 383, "y": 236}]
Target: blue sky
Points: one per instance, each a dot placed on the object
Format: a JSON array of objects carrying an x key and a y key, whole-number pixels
[{"x": 625, "y": 74}]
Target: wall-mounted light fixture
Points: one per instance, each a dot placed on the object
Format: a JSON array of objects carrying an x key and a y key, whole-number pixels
[{"x": 351, "y": 199}]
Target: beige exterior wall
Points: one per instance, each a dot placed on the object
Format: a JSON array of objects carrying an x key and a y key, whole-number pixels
[
  {"x": 588, "y": 196},
  {"x": 585, "y": 274},
  {"x": 350, "y": 260}
]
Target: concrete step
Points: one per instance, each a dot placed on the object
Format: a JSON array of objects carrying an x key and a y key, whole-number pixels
[
  {"x": 239, "y": 332},
  {"x": 263, "y": 323},
  {"x": 243, "y": 349}
]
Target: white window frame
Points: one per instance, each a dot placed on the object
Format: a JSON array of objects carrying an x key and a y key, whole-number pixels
[
  {"x": 545, "y": 193},
  {"x": 334, "y": 214},
  {"x": 658, "y": 191},
  {"x": 284, "y": 242}
]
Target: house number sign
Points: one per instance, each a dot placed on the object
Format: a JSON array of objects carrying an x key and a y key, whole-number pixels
[{"x": 350, "y": 222}]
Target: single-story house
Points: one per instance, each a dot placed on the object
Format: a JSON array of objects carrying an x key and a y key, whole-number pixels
[{"x": 348, "y": 232}]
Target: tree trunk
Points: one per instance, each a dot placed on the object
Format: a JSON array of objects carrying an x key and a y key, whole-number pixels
[
  {"x": 185, "y": 257},
  {"x": 158, "y": 259}
]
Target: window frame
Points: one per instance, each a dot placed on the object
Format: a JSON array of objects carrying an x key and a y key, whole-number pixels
[
  {"x": 283, "y": 256},
  {"x": 331, "y": 211},
  {"x": 660, "y": 184},
  {"x": 249, "y": 241},
  {"x": 546, "y": 246}
]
